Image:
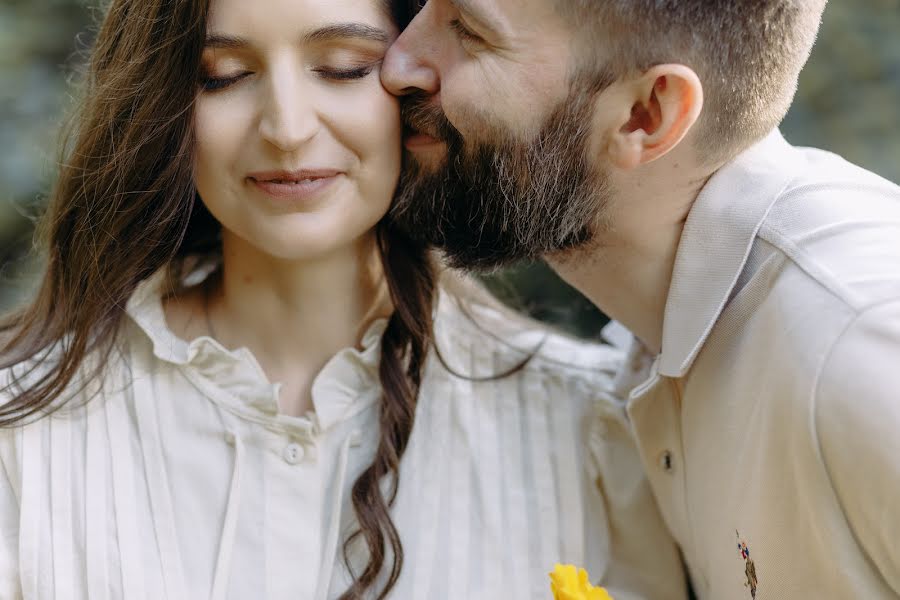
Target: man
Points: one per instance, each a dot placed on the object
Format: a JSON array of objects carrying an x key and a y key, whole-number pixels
[{"x": 633, "y": 144}]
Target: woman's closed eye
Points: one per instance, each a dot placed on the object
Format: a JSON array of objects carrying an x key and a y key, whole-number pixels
[
  {"x": 345, "y": 73},
  {"x": 212, "y": 83}
]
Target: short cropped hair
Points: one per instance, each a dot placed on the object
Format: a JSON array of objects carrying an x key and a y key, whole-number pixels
[{"x": 747, "y": 53}]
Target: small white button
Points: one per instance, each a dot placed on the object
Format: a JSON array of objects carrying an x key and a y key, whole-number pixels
[
  {"x": 356, "y": 439},
  {"x": 293, "y": 453},
  {"x": 667, "y": 461}
]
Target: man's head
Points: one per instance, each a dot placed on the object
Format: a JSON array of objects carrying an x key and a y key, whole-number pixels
[{"x": 521, "y": 111}]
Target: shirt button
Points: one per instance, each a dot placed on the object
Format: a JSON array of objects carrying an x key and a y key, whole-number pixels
[
  {"x": 293, "y": 453},
  {"x": 667, "y": 461}
]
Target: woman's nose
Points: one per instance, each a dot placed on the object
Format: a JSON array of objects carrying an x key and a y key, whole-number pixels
[{"x": 289, "y": 118}]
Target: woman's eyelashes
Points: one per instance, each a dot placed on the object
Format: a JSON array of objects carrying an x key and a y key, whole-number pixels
[
  {"x": 345, "y": 74},
  {"x": 211, "y": 83}
]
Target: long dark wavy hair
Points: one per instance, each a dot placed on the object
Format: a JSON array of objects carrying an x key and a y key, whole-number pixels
[{"x": 124, "y": 206}]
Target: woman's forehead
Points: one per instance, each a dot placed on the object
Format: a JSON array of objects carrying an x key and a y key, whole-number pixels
[{"x": 271, "y": 17}]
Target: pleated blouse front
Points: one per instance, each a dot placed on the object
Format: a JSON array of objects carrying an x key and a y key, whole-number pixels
[{"x": 180, "y": 480}]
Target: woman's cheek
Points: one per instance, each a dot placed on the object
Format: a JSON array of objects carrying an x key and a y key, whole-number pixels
[
  {"x": 219, "y": 124},
  {"x": 388, "y": 107},
  {"x": 383, "y": 124},
  {"x": 206, "y": 131},
  {"x": 200, "y": 117},
  {"x": 370, "y": 109}
]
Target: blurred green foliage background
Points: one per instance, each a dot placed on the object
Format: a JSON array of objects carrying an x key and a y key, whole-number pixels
[{"x": 848, "y": 102}]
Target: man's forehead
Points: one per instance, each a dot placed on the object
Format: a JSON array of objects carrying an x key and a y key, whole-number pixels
[
  {"x": 508, "y": 14},
  {"x": 478, "y": 8}
]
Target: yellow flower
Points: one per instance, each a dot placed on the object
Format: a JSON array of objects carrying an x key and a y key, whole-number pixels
[{"x": 570, "y": 583}]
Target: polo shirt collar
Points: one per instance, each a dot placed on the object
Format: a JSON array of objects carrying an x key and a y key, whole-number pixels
[{"x": 715, "y": 245}]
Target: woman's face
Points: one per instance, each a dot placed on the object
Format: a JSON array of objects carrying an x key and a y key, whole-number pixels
[{"x": 298, "y": 145}]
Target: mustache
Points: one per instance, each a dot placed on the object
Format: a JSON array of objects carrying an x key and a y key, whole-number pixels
[{"x": 421, "y": 115}]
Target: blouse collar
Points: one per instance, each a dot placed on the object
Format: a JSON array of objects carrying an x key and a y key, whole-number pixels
[{"x": 347, "y": 383}]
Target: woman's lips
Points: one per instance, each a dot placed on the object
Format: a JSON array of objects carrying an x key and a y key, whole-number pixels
[
  {"x": 293, "y": 185},
  {"x": 294, "y": 191}
]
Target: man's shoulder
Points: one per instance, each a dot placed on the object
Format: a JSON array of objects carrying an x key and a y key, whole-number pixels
[
  {"x": 840, "y": 225},
  {"x": 827, "y": 251},
  {"x": 861, "y": 364},
  {"x": 856, "y": 418},
  {"x": 842, "y": 188}
]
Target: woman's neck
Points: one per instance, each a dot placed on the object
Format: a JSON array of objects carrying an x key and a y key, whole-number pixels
[{"x": 295, "y": 315}]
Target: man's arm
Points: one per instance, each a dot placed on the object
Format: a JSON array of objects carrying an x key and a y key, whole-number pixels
[{"x": 858, "y": 423}]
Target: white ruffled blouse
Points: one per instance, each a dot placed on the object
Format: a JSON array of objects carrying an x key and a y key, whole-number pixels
[{"x": 180, "y": 480}]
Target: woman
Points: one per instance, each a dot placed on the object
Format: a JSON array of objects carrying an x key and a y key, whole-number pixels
[{"x": 216, "y": 227}]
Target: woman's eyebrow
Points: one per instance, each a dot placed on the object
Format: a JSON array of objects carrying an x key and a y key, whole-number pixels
[
  {"x": 225, "y": 41},
  {"x": 336, "y": 31},
  {"x": 360, "y": 31}
]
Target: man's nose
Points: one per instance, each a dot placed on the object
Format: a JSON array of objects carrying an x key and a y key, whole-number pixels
[{"x": 409, "y": 63}]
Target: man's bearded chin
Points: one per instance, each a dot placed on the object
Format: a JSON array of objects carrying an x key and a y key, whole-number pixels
[{"x": 492, "y": 203}]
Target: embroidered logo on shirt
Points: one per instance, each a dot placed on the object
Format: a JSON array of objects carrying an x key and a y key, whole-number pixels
[{"x": 749, "y": 567}]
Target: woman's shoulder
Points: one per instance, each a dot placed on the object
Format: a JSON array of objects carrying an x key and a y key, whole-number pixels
[
  {"x": 479, "y": 331},
  {"x": 18, "y": 376},
  {"x": 528, "y": 373},
  {"x": 99, "y": 375}
]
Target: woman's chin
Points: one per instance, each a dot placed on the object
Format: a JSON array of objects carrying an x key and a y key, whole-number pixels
[{"x": 300, "y": 244}]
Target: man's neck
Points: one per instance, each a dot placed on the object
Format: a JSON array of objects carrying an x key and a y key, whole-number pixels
[{"x": 627, "y": 271}]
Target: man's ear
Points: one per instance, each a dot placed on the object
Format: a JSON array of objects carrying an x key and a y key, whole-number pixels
[{"x": 653, "y": 114}]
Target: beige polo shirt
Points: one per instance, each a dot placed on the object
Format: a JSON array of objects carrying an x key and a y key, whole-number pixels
[{"x": 770, "y": 422}]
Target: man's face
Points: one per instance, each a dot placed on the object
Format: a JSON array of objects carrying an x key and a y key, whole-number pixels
[{"x": 498, "y": 125}]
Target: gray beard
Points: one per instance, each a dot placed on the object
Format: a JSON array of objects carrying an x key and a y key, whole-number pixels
[{"x": 493, "y": 204}]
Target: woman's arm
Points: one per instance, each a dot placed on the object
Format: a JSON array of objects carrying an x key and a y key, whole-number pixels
[
  {"x": 643, "y": 560},
  {"x": 9, "y": 525}
]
